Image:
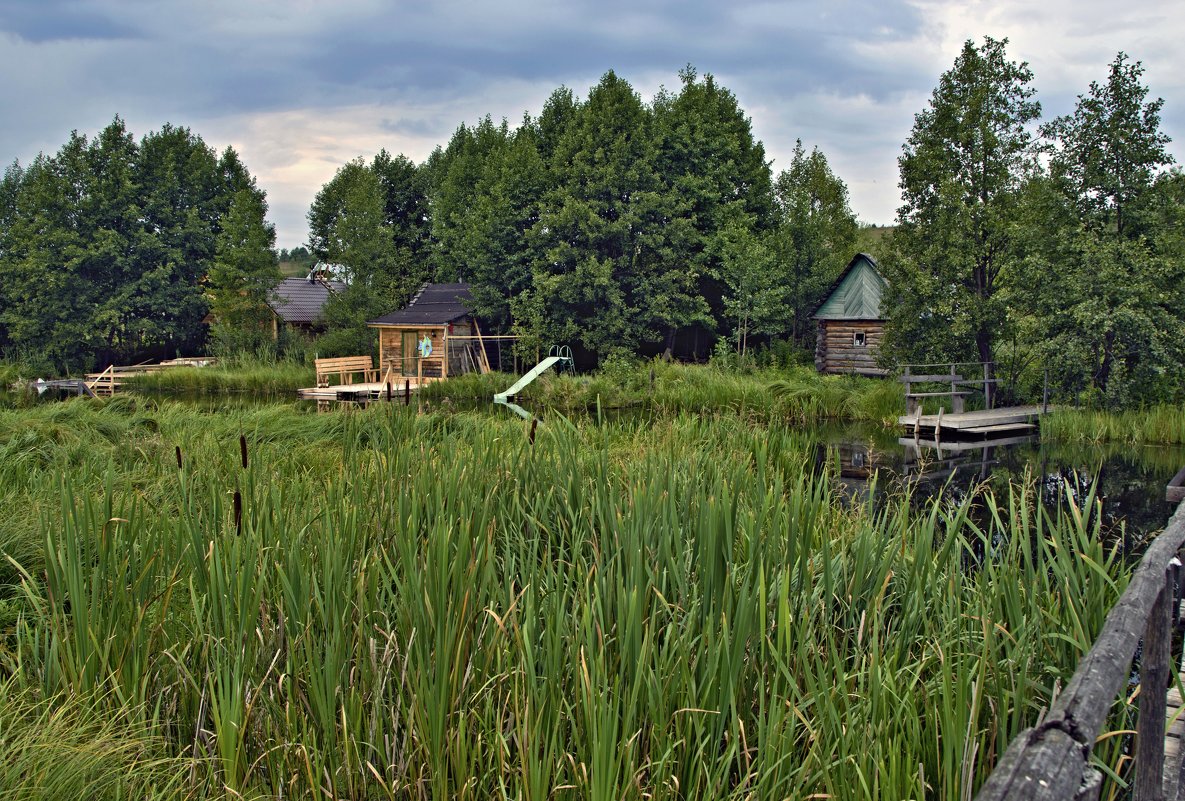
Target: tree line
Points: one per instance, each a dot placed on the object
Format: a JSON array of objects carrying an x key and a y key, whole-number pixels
[
  {"x": 1055, "y": 249},
  {"x": 605, "y": 222},
  {"x": 115, "y": 249}
]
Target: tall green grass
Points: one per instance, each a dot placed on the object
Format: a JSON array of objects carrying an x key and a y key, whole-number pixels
[
  {"x": 241, "y": 376},
  {"x": 798, "y": 394},
  {"x": 441, "y": 606},
  {"x": 1157, "y": 425}
]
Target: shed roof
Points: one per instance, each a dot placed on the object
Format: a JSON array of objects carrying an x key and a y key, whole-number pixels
[
  {"x": 857, "y": 294},
  {"x": 434, "y": 304},
  {"x": 299, "y": 300}
]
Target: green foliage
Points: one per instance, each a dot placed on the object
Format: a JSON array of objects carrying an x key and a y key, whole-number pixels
[
  {"x": 105, "y": 244},
  {"x": 815, "y": 238},
  {"x": 1158, "y": 425},
  {"x": 961, "y": 171},
  {"x": 244, "y": 271},
  {"x": 1106, "y": 249}
]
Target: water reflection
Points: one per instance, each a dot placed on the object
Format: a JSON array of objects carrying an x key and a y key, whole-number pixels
[{"x": 1128, "y": 481}]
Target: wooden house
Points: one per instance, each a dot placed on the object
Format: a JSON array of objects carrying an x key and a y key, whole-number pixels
[
  {"x": 851, "y": 320},
  {"x": 297, "y": 302},
  {"x": 433, "y": 337}
]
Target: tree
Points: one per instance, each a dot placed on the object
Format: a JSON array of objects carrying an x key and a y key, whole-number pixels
[
  {"x": 106, "y": 243},
  {"x": 713, "y": 176},
  {"x": 815, "y": 236},
  {"x": 1101, "y": 271},
  {"x": 244, "y": 271},
  {"x": 961, "y": 170},
  {"x": 589, "y": 284},
  {"x": 1108, "y": 153},
  {"x": 755, "y": 294}
]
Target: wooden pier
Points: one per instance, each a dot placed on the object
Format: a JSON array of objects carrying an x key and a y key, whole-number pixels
[
  {"x": 109, "y": 381},
  {"x": 947, "y": 385},
  {"x": 1012, "y": 421},
  {"x": 364, "y": 391}
]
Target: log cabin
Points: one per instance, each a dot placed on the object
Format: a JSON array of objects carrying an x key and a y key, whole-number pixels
[{"x": 851, "y": 321}]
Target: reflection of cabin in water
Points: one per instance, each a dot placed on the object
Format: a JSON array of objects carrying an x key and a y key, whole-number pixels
[
  {"x": 850, "y": 320},
  {"x": 433, "y": 337}
]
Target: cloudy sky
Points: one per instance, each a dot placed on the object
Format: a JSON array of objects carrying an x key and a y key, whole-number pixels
[{"x": 298, "y": 87}]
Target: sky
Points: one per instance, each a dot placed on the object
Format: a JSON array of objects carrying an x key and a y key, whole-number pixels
[{"x": 299, "y": 87}]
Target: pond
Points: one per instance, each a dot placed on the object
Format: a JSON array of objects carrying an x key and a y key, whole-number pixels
[{"x": 1128, "y": 480}]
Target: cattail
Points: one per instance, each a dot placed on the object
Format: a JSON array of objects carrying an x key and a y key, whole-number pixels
[
  {"x": 178, "y": 457},
  {"x": 243, "y": 450},
  {"x": 531, "y": 434},
  {"x": 238, "y": 512}
]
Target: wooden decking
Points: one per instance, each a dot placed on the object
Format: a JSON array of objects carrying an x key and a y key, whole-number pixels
[
  {"x": 1015, "y": 420},
  {"x": 371, "y": 390}
]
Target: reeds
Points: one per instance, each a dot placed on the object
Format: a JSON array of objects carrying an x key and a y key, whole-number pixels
[
  {"x": 430, "y": 606},
  {"x": 1157, "y": 425},
  {"x": 249, "y": 377}
]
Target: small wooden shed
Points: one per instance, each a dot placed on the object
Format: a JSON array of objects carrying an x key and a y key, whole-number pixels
[
  {"x": 439, "y": 315},
  {"x": 851, "y": 321}
]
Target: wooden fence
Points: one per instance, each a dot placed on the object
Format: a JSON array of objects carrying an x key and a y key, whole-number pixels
[{"x": 1051, "y": 761}]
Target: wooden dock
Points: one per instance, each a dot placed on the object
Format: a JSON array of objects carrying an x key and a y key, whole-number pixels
[
  {"x": 110, "y": 381},
  {"x": 363, "y": 391},
  {"x": 1011, "y": 421}
]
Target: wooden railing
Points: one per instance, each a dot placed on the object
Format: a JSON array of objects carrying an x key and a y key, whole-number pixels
[
  {"x": 960, "y": 385},
  {"x": 1051, "y": 761}
]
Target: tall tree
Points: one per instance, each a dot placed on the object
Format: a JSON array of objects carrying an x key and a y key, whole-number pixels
[
  {"x": 815, "y": 236},
  {"x": 591, "y": 282},
  {"x": 1098, "y": 274},
  {"x": 1108, "y": 153},
  {"x": 244, "y": 271},
  {"x": 961, "y": 170},
  {"x": 713, "y": 176},
  {"x": 106, "y": 243}
]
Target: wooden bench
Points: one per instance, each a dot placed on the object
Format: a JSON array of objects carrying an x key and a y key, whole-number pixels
[{"x": 345, "y": 368}]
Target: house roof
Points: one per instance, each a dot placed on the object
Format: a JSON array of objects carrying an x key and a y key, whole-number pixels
[
  {"x": 857, "y": 294},
  {"x": 434, "y": 304},
  {"x": 299, "y": 300}
]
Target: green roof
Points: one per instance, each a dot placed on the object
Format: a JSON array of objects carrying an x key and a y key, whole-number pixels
[{"x": 857, "y": 293}]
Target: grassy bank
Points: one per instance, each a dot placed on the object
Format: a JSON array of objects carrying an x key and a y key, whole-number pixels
[
  {"x": 248, "y": 377},
  {"x": 800, "y": 394},
  {"x": 1158, "y": 425},
  {"x": 383, "y": 604}
]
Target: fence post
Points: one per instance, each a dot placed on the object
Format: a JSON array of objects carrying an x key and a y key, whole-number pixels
[{"x": 1154, "y": 675}]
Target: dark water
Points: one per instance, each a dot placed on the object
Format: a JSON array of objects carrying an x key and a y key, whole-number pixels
[{"x": 1128, "y": 480}]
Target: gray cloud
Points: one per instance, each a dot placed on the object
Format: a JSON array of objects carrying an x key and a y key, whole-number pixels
[{"x": 300, "y": 86}]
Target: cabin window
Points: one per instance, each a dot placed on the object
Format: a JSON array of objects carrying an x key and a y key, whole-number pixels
[{"x": 859, "y": 339}]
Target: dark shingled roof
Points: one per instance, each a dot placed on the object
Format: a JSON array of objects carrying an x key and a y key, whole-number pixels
[
  {"x": 434, "y": 304},
  {"x": 299, "y": 300}
]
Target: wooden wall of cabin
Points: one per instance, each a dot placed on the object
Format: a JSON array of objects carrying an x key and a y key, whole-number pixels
[
  {"x": 837, "y": 351},
  {"x": 391, "y": 347}
]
